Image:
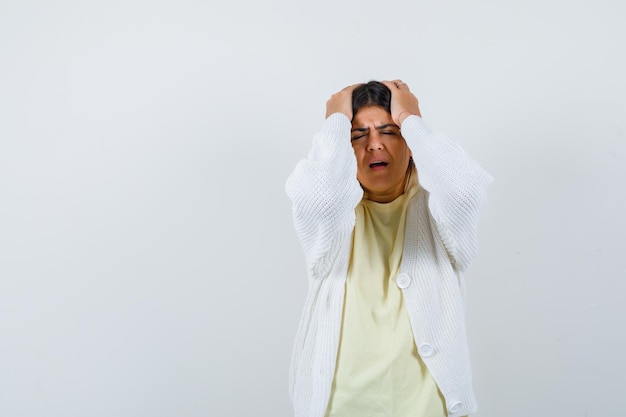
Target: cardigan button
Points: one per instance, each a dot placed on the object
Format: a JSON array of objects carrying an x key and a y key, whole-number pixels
[
  {"x": 425, "y": 350},
  {"x": 403, "y": 281},
  {"x": 454, "y": 407}
]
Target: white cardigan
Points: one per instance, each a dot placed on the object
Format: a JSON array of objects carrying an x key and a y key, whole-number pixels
[{"x": 439, "y": 245}]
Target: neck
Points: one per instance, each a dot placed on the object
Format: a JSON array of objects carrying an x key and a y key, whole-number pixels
[
  {"x": 385, "y": 196},
  {"x": 388, "y": 196}
]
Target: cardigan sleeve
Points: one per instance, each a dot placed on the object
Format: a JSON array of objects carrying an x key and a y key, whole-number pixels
[
  {"x": 457, "y": 188},
  {"x": 324, "y": 192}
]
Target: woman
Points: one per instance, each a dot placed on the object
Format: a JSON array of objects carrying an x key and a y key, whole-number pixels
[{"x": 383, "y": 329}]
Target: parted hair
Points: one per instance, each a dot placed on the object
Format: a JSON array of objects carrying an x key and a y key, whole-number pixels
[{"x": 373, "y": 93}]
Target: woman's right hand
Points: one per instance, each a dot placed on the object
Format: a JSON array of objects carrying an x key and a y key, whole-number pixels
[{"x": 341, "y": 102}]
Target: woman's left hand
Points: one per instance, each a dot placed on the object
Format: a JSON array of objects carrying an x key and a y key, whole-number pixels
[{"x": 403, "y": 102}]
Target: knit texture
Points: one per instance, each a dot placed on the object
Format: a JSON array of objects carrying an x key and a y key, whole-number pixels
[{"x": 440, "y": 242}]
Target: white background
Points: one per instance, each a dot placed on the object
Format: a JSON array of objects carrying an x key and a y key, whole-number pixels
[{"x": 148, "y": 264}]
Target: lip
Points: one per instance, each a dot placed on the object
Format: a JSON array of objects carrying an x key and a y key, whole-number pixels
[
  {"x": 381, "y": 164},
  {"x": 374, "y": 160}
]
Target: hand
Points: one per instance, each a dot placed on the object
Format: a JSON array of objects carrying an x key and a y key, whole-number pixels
[
  {"x": 341, "y": 102},
  {"x": 403, "y": 102}
]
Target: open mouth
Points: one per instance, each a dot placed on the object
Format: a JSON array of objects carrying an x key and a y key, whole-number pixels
[{"x": 378, "y": 164}]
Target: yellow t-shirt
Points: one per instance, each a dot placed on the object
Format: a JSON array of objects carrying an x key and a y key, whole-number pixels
[{"x": 379, "y": 372}]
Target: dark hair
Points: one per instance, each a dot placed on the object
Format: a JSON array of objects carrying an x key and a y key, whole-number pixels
[{"x": 374, "y": 93}]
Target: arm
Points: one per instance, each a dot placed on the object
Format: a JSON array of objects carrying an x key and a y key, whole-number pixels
[
  {"x": 456, "y": 183},
  {"x": 324, "y": 190},
  {"x": 457, "y": 186}
]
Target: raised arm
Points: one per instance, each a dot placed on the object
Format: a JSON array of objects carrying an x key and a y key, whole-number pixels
[
  {"x": 324, "y": 189},
  {"x": 456, "y": 183}
]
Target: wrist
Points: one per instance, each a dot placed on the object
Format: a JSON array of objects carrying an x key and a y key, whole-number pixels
[{"x": 402, "y": 116}]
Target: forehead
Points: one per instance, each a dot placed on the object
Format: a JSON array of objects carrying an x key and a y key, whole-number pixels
[{"x": 369, "y": 116}]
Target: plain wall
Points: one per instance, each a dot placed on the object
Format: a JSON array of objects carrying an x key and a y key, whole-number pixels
[{"x": 148, "y": 263}]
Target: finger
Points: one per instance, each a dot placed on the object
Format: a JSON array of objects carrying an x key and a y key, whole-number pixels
[
  {"x": 396, "y": 84},
  {"x": 352, "y": 87},
  {"x": 391, "y": 84}
]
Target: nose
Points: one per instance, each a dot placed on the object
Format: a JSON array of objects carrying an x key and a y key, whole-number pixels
[{"x": 375, "y": 142}]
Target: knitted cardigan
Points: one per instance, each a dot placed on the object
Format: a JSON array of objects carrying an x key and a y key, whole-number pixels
[{"x": 440, "y": 242}]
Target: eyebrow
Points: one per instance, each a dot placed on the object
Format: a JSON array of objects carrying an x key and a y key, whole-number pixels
[{"x": 365, "y": 129}]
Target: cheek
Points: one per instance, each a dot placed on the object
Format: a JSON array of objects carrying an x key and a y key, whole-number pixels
[
  {"x": 358, "y": 154},
  {"x": 403, "y": 153}
]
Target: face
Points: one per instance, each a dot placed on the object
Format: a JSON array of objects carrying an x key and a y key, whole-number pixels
[{"x": 382, "y": 154}]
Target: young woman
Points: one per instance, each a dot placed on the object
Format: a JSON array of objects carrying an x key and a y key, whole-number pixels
[{"x": 386, "y": 211}]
